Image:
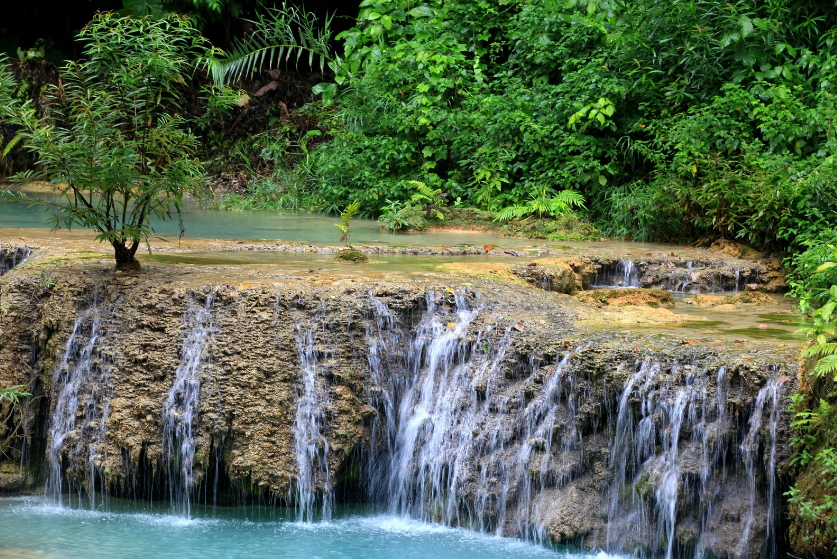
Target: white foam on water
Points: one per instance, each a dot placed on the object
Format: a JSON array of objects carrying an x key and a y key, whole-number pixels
[{"x": 38, "y": 507}]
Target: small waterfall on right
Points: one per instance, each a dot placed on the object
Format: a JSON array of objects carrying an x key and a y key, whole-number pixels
[
  {"x": 658, "y": 430},
  {"x": 182, "y": 404}
]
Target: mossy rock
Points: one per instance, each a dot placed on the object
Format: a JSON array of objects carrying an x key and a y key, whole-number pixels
[
  {"x": 753, "y": 298},
  {"x": 626, "y": 297},
  {"x": 351, "y": 255}
]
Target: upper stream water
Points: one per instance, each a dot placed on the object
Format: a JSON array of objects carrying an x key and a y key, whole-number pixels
[{"x": 202, "y": 223}]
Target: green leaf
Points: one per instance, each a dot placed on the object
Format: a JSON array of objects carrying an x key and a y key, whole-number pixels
[
  {"x": 12, "y": 143},
  {"x": 422, "y": 11},
  {"x": 825, "y": 266},
  {"x": 746, "y": 26}
]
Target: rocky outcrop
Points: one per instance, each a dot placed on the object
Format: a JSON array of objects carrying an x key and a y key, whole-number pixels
[
  {"x": 12, "y": 255},
  {"x": 482, "y": 405},
  {"x": 626, "y": 297},
  {"x": 688, "y": 274}
]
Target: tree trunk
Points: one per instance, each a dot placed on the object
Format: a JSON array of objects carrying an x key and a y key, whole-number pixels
[{"x": 124, "y": 254}]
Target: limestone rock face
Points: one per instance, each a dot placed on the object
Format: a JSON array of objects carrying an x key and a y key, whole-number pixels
[{"x": 482, "y": 405}]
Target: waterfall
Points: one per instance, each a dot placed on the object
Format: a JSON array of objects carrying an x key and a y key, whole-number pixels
[
  {"x": 630, "y": 275},
  {"x": 181, "y": 406},
  {"x": 633, "y": 443},
  {"x": 427, "y": 421},
  {"x": 312, "y": 448},
  {"x": 69, "y": 382},
  {"x": 10, "y": 258},
  {"x": 624, "y": 274},
  {"x": 770, "y": 392},
  {"x": 666, "y": 493},
  {"x": 441, "y": 419}
]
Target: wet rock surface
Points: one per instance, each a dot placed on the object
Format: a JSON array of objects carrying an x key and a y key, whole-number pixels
[
  {"x": 686, "y": 274},
  {"x": 487, "y": 405},
  {"x": 11, "y": 255}
]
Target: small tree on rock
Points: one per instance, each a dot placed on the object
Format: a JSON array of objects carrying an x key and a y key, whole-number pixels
[{"x": 116, "y": 144}]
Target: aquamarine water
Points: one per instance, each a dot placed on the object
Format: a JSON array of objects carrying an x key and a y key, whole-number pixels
[
  {"x": 30, "y": 529},
  {"x": 266, "y": 225}
]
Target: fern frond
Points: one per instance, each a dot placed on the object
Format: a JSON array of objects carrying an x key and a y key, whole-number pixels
[
  {"x": 826, "y": 366},
  {"x": 512, "y": 212},
  {"x": 570, "y": 198},
  {"x": 284, "y": 32},
  {"x": 350, "y": 212},
  {"x": 820, "y": 350},
  {"x": 12, "y": 143}
]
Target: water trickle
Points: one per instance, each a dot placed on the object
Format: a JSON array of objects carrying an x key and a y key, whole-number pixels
[
  {"x": 769, "y": 393},
  {"x": 624, "y": 274},
  {"x": 667, "y": 489},
  {"x": 313, "y": 480},
  {"x": 69, "y": 384},
  {"x": 12, "y": 257},
  {"x": 182, "y": 404}
]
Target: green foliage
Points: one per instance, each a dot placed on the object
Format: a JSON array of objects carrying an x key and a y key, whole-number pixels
[
  {"x": 278, "y": 35},
  {"x": 675, "y": 120},
  {"x": 544, "y": 204},
  {"x": 345, "y": 219},
  {"x": 116, "y": 144},
  {"x": 13, "y": 394},
  {"x": 816, "y": 528},
  {"x": 396, "y": 216},
  {"x": 812, "y": 500}
]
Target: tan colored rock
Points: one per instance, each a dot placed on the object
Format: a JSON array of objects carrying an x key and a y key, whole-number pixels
[{"x": 626, "y": 297}]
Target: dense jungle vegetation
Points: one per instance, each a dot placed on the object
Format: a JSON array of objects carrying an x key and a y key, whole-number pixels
[{"x": 678, "y": 120}]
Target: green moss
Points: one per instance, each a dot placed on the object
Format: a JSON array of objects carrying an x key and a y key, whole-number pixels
[{"x": 351, "y": 255}]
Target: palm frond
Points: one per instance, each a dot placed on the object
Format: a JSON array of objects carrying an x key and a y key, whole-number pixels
[{"x": 280, "y": 33}]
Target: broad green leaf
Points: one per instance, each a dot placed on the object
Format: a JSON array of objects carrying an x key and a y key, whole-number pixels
[{"x": 422, "y": 11}]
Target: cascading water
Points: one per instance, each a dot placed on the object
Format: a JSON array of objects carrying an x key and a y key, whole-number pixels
[
  {"x": 73, "y": 385},
  {"x": 624, "y": 274},
  {"x": 425, "y": 419},
  {"x": 472, "y": 427},
  {"x": 440, "y": 417},
  {"x": 770, "y": 393},
  {"x": 312, "y": 448},
  {"x": 181, "y": 406},
  {"x": 448, "y": 427}
]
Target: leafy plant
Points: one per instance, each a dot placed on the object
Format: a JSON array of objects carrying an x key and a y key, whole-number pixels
[
  {"x": 544, "y": 204},
  {"x": 345, "y": 219},
  {"x": 13, "y": 394},
  {"x": 278, "y": 35},
  {"x": 116, "y": 144},
  {"x": 432, "y": 198}
]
